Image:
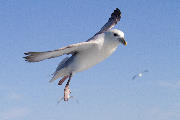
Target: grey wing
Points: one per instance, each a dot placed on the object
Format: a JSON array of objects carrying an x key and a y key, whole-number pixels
[
  {"x": 134, "y": 77},
  {"x": 39, "y": 56},
  {"x": 113, "y": 20},
  {"x": 115, "y": 17},
  {"x": 145, "y": 71}
]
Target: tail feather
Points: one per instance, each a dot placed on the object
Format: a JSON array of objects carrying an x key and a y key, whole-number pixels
[
  {"x": 58, "y": 74},
  {"x": 60, "y": 65},
  {"x": 60, "y": 71}
]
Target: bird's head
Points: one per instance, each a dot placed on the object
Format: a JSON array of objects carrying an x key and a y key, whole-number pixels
[{"x": 117, "y": 36}]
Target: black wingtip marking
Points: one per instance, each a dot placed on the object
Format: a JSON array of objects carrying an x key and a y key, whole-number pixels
[
  {"x": 116, "y": 12},
  {"x": 116, "y": 15},
  {"x": 117, "y": 9},
  {"x": 26, "y": 53}
]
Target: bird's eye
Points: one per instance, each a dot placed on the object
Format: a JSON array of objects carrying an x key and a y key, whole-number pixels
[{"x": 115, "y": 34}]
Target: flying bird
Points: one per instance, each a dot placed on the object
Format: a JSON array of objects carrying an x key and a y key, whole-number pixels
[
  {"x": 84, "y": 54},
  {"x": 139, "y": 74}
]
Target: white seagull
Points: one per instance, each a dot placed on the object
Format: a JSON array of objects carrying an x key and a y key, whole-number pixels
[{"x": 84, "y": 54}]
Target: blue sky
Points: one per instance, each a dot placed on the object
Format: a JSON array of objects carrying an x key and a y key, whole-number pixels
[{"x": 106, "y": 90}]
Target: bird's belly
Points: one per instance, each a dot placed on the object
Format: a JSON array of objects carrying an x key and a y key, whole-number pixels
[{"x": 87, "y": 59}]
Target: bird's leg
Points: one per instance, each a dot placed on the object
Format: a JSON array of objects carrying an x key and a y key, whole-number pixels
[
  {"x": 70, "y": 76},
  {"x": 67, "y": 91},
  {"x": 62, "y": 80}
]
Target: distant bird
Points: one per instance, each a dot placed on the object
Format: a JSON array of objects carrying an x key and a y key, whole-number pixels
[
  {"x": 139, "y": 74},
  {"x": 84, "y": 54}
]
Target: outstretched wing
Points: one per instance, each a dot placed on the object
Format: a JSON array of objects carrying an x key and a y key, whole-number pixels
[
  {"x": 113, "y": 20},
  {"x": 145, "y": 71},
  {"x": 39, "y": 56},
  {"x": 134, "y": 77},
  {"x": 115, "y": 17}
]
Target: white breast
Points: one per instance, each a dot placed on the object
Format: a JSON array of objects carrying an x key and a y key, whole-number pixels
[{"x": 93, "y": 56}]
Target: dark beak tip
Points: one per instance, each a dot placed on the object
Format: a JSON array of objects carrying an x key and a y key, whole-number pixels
[{"x": 125, "y": 43}]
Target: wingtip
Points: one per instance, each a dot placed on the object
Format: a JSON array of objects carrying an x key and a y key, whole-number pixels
[
  {"x": 116, "y": 13},
  {"x": 27, "y": 53},
  {"x": 117, "y": 9},
  {"x": 27, "y": 59}
]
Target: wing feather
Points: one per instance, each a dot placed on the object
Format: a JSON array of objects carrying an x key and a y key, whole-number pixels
[
  {"x": 115, "y": 17},
  {"x": 39, "y": 56},
  {"x": 113, "y": 20}
]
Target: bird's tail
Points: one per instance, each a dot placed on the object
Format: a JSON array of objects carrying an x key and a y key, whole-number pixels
[
  {"x": 57, "y": 75},
  {"x": 60, "y": 70}
]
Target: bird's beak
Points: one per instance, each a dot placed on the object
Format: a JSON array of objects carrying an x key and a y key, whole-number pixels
[{"x": 122, "y": 40}]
